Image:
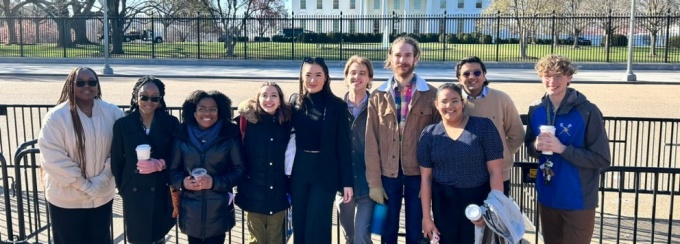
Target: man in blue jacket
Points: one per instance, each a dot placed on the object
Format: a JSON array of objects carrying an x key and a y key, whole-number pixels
[{"x": 570, "y": 158}]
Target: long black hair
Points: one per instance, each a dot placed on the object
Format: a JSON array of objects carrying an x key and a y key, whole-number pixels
[
  {"x": 68, "y": 94},
  {"x": 326, "y": 89}
]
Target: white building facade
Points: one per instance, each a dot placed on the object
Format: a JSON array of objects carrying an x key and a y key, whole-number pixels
[{"x": 366, "y": 16}]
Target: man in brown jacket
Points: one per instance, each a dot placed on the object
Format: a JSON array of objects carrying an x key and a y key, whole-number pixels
[{"x": 398, "y": 111}]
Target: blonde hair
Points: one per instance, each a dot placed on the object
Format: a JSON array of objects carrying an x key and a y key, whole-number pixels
[
  {"x": 405, "y": 39},
  {"x": 558, "y": 63},
  {"x": 360, "y": 60}
]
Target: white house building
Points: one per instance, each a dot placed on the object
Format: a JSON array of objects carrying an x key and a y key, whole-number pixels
[{"x": 366, "y": 15}]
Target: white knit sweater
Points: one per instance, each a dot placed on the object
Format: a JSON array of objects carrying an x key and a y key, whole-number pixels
[{"x": 65, "y": 186}]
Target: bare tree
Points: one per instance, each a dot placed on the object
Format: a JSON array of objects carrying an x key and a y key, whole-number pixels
[
  {"x": 654, "y": 21},
  {"x": 613, "y": 8},
  {"x": 171, "y": 10},
  {"x": 267, "y": 13},
  {"x": 524, "y": 13},
  {"x": 10, "y": 10}
]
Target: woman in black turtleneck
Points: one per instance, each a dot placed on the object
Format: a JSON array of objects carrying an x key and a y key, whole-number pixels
[{"x": 323, "y": 165}]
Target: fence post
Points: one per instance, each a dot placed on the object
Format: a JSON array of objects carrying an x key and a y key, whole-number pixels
[
  {"x": 63, "y": 33},
  {"x": 444, "y": 42},
  {"x": 292, "y": 41},
  {"x": 609, "y": 35},
  {"x": 21, "y": 35},
  {"x": 341, "y": 37},
  {"x": 668, "y": 29},
  {"x": 552, "y": 47},
  {"x": 245, "y": 34},
  {"x": 198, "y": 36},
  {"x": 153, "y": 39},
  {"x": 498, "y": 34}
]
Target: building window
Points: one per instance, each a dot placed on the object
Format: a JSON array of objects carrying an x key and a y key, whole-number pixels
[
  {"x": 376, "y": 26},
  {"x": 303, "y": 4},
  {"x": 319, "y": 26},
  {"x": 478, "y": 4},
  {"x": 336, "y": 25},
  {"x": 397, "y": 4},
  {"x": 416, "y": 4},
  {"x": 461, "y": 26},
  {"x": 352, "y": 4},
  {"x": 461, "y": 3},
  {"x": 376, "y": 4},
  {"x": 442, "y": 4},
  {"x": 352, "y": 26},
  {"x": 319, "y": 4},
  {"x": 336, "y": 4}
]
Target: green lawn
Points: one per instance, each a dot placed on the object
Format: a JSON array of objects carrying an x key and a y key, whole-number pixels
[{"x": 296, "y": 51}]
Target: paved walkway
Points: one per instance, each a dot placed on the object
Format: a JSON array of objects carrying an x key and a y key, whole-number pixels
[{"x": 292, "y": 72}]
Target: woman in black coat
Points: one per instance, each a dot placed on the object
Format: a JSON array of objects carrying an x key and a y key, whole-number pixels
[
  {"x": 207, "y": 139},
  {"x": 265, "y": 125},
  {"x": 142, "y": 184},
  {"x": 323, "y": 163}
]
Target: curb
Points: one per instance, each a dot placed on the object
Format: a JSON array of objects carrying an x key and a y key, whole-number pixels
[{"x": 330, "y": 63}]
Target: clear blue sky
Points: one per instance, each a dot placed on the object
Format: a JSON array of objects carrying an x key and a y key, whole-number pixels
[{"x": 288, "y": 6}]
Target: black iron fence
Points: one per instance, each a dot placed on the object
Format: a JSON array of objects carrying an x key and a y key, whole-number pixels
[
  {"x": 600, "y": 38},
  {"x": 637, "y": 200}
]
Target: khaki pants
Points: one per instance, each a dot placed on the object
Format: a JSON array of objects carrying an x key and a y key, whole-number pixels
[
  {"x": 567, "y": 226},
  {"x": 265, "y": 229}
]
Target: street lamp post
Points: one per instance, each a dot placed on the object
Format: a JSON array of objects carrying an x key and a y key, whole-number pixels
[
  {"x": 107, "y": 69},
  {"x": 630, "y": 76}
]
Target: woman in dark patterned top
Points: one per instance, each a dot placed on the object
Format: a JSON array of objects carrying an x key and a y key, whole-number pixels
[{"x": 460, "y": 163}]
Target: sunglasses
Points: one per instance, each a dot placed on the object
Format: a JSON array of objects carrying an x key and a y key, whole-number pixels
[
  {"x": 147, "y": 98},
  {"x": 90, "y": 83},
  {"x": 312, "y": 60},
  {"x": 477, "y": 73}
]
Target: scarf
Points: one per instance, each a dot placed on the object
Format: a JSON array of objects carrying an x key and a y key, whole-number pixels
[{"x": 204, "y": 138}]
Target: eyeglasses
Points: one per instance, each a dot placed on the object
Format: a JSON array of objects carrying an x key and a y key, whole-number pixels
[
  {"x": 313, "y": 60},
  {"x": 477, "y": 73},
  {"x": 207, "y": 110},
  {"x": 147, "y": 98},
  {"x": 90, "y": 83}
]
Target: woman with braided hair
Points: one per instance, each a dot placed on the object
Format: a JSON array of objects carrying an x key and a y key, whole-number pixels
[
  {"x": 74, "y": 141},
  {"x": 143, "y": 184}
]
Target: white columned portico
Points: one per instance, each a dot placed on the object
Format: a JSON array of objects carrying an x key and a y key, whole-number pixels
[{"x": 386, "y": 30}]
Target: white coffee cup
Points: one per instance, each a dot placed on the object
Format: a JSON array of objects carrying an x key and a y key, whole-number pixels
[
  {"x": 143, "y": 152},
  {"x": 198, "y": 172},
  {"x": 473, "y": 212},
  {"x": 547, "y": 129}
]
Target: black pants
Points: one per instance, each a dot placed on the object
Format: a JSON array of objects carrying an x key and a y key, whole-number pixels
[
  {"x": 218, "y": 239},
  {"x": 81, "y": 225},
  {"x": 312, "y": 203},
  {"x": 448, "y": 207}
]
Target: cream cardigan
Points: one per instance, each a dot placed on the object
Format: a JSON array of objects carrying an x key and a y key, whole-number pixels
[{"x": 65, "y": 187}]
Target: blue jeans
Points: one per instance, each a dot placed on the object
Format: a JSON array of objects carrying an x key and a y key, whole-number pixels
[
  {"x": 407, "y": 187},
  {"x": 355, "y": 218}
]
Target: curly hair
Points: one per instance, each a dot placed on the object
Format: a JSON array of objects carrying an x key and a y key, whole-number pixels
[
  {"x": 134, "y": 103},
  {"x": 284, "y": 112},
  {"x": 558, "y": 63},
  {"x": 68, "y": 94},
  {"x": 191, "y": 103}
]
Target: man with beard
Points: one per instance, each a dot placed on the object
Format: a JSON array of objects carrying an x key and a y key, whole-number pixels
[{"x": 398, "y": 111}]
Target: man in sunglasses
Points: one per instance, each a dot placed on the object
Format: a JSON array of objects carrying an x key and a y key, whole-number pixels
[
  {"x": 398, "y": 111},
  {"x": 482, "y": 101}
]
